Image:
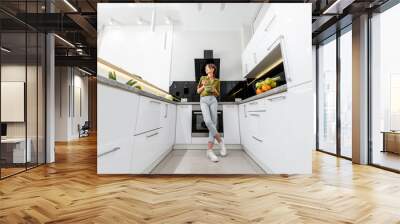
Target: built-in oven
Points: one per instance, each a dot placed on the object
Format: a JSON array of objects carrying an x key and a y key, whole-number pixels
[{"x": 199, "y": 128}]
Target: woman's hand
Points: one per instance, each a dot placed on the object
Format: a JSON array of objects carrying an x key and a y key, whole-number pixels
[{"x": 200, "y": 89}]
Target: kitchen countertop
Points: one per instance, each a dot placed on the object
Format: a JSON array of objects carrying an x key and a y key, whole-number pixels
[
  {"x": 116, "y": 84},
  {"x": 279, "y": 89}
]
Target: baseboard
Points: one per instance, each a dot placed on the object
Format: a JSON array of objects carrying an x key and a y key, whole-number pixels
[
  {"x": 204, "y": 146},
  {"x": 257, "y": 161},
  {"x": 157, "y": 161}
]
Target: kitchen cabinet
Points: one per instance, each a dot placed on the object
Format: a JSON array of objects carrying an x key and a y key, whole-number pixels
[
  {"x": 278, "y": 131},
  {"x": 231, "y": 124},
  {"x": 282, "y": 24},
  {"x": 146, "y": 150},
  {"x": 115, "y": 129},
  {"x": 149, "y": 115},
  {"x": 172, "y": 124},
  {"x": 150, "y": 147},
  {"x": 183, "y": 124}
]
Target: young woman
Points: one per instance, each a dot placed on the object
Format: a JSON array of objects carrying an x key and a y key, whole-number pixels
[{"x": 209, "y": 88}]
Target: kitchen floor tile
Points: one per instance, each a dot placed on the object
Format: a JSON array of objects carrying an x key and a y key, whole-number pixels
[{"x": 196, "y": 162}]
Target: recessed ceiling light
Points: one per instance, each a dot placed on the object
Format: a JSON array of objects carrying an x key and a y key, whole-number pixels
[
  {"x": 167, "y": 20},
  {"x": 199, "y": 6},
  {"x": 43, "y": 7},
  {"x": 140, "y": 21},
  {"x": 222, "y": 6}
]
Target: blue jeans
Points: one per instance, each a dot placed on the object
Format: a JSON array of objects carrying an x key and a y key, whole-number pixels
[{"x": 209, "y": 109}]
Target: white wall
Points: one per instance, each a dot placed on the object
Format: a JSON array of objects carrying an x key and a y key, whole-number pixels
[
  {"x": 140, "y": 51},
  {"x": 190, "y": 44},
  {"x": 67, "y": 85}
]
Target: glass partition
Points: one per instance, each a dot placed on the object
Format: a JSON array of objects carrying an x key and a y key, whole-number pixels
[
  {"x": 327, "y": 96},
  {"x": 22, "y": 78},
  {"x": 385, "y": 89},
  {"x": 13, "y": 105},
  {"x": 346, "y": 93}
]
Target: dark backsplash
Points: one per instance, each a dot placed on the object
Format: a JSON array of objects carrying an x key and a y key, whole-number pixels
[{"x": 187, "y": 89}]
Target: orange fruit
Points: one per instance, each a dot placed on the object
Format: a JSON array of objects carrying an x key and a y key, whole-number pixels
[
  {"x": 258, "y": 91},
  {"x": 265, "y": 87}
]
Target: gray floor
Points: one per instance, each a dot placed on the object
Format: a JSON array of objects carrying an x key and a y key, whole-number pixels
[{"x": 195, "y": 162}]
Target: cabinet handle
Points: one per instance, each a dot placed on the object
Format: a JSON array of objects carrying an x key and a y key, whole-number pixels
[
  {"x": 255, "y": 115},
  {"x": 269, "y": 23},
  {"x": 149, "y": 136},
  {"x": 257, "y": 139},
  {"x": 152, "y": 101},
  {"x": 108, "y": 152},
  {"x": 166, "y": 111},
  {"x": 273, "y": 43},
  {"x": 253, "y": 103},
  {"x": 277, "y": 98},
  {"x": 257, "y": 111}
]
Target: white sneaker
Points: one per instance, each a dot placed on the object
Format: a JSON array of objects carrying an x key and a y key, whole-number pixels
[
  {"x": 223, "y": 151},
  {"x": 212, "y": 156}
]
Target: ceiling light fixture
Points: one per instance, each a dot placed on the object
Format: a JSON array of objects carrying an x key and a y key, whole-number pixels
[
  {"x": 64, "y": 40},
  {"x": 5, "y": 49},
  {"x": 70, "y": 5},
  {"x": 167, "y": 20},
  {"x": 222, "y": 6},
  {"x": 140, "y": 21},
  {"x": 199, "y": 6},
  {"x": 153, "y": 20}
]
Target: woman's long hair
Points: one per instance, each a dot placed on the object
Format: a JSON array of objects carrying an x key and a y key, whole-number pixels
[{"x": 211, "y": 65}]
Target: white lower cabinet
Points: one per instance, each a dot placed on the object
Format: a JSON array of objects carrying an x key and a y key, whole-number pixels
[
  {"x": 146, "y": 150},
  {"x": 231, "y": 124},
  {"x": 115, "y": 129},
  {"x": 149, "y": 114},
  {"x": 150, "y": 147},
  {"x": 183, "y": 124},
  {"x": 277, "y": 131}
]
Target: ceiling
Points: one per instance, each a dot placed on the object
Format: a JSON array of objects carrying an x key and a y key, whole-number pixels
[
  {"x": 79, "y": 24},
  {"x": 192, "y": 16}
]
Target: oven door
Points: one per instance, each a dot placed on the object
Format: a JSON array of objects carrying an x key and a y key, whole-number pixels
[{"x": 199, "y": 128}]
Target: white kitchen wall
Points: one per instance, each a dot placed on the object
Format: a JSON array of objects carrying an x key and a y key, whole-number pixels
[
  {"x": 140, "y": 51},
  {"x": 190, "y": 44}
]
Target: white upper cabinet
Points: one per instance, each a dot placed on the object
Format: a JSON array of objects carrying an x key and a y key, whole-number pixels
[{"x": 291, "y": 28}]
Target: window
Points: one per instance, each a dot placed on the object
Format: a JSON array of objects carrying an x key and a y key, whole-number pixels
[
  {"x": 346, "y": 93},
  {"x": 385, "y": 89},
  {"x": 327, "y": 96}
]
